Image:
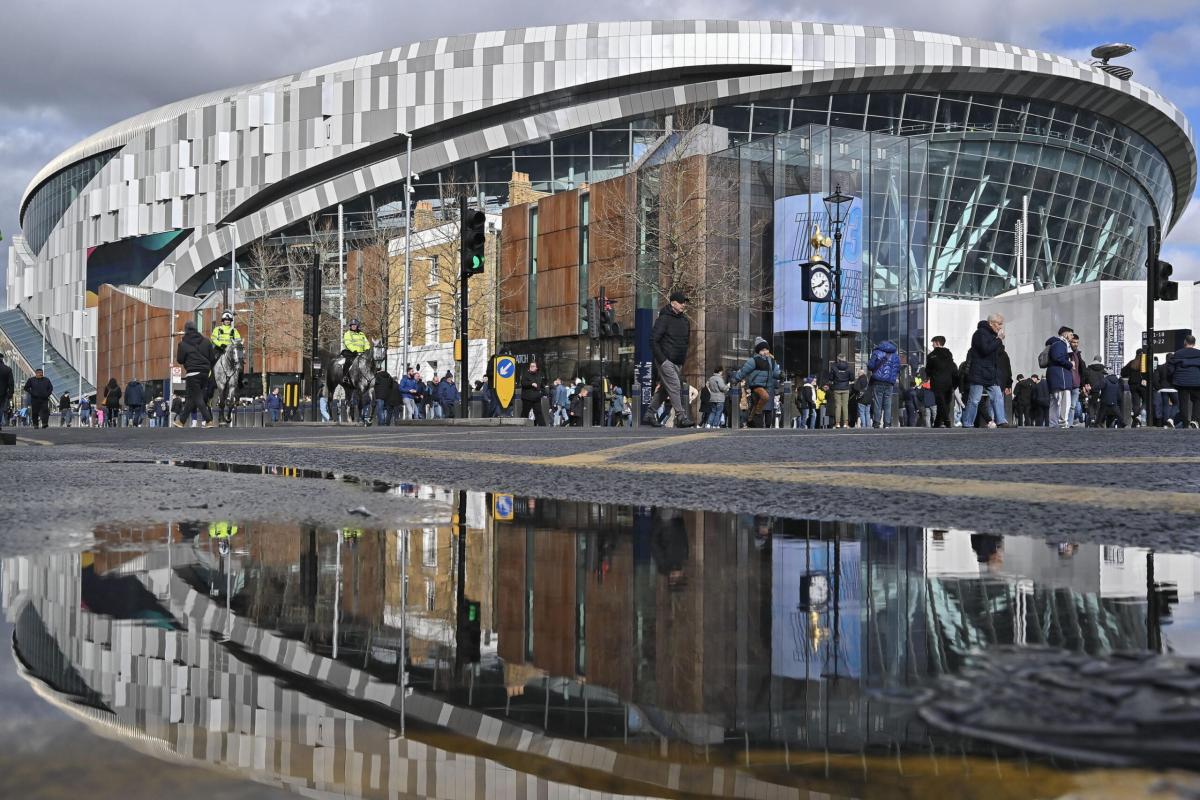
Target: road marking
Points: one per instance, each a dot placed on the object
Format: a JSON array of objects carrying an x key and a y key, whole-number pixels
[
  {"x": 982, "y": 462},
  {"x": 1050, "y": 495},
  {"x": 30, "y": 440}
]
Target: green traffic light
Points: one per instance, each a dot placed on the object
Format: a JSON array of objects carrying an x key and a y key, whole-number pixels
[{"x": 477, "y": 263}]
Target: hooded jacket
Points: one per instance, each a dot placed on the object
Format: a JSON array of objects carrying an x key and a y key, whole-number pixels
[
  {"x": 841, "y": 376},
  {"x": 135, "y": 394},
  {"x": 383, "y": 384},
  {"x": 1058, "y": 374},
  {"x": 940, "y": 369},
  {"x": 195, "y": 353},
  {"x": 112, "y": 394},
  {"x": 1185, "y": 368},
  {"x": 669, "y": 337},
  {"x": 984, "y": 357},
  {"x": 884, "y": 364},
  {"x": 717, "y": 387},
  {"x": 759, "y": 371},
  {"x": 1110, "y": 391}
]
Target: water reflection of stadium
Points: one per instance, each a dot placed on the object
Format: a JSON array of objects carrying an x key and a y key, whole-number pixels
[{"x": 616, "y": 643}]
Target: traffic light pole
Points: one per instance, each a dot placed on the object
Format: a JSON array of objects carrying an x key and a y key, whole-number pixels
[
  {"x": 464, "y": 280},
  {"x": 1148, "y": 350}
]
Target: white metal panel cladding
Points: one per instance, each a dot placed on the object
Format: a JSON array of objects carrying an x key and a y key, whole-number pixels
[{"x": 223, "y": 148}]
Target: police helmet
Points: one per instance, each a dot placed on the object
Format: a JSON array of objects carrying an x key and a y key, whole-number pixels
[
  {"x": 354, "y": 323},
  {"x": 228, "y": 315}
]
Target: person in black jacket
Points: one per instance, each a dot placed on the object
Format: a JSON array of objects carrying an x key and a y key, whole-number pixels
[
  {"x": 195, "y": 354},
  {"x": 1185, "y": 374},
  {"x": 532, "y": 389},
  {"x": 942, "y": 374},
  {"x": 40, "y": 391},
  {"x": 669, "y": 345},
  {"x": 841, "y": 375},
  {"x": 135, "y": 401},
  {"x": 383, "y": 385},
  {"x": 984, "y": 357},
  {"x": 7, "y": 387},
  {"x": 112, "y": 403},
  {"x": 64, "y": 410},
  {"x": 1023, "y": 401}
]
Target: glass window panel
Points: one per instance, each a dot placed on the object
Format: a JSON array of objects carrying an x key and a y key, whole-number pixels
[
  {"x": 919, "y": 108},
  {"x": 952, "y": 114},
  {"x": 885, "y": 104},
  {"x": 735, "y": 118},
  {"x": 1011, "y": 116},
  {"x": 537, "y": 149},
  {"x": 768, "y": 119},
  {"x": 850, "y": 103},
  {"x": 802, "y": 117},
  {"x": 852, "y": 121},
  {"x": 611, "y": 143},
  {"x": 812, "y": 103}
]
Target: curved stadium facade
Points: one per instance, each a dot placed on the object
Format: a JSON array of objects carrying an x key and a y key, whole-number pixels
[{"x": 1095, "y": 159}]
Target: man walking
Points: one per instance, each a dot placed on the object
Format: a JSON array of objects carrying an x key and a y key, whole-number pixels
[
  {"x": 984, "y": 371},
  {"x": 1058, "y": 377},
  {"x": 195, "y": 354},
  {"x": 884, "y": 366},
  {"x": 40, "y": 390},
  {"x": 940, "y": 370},
  {"x": 1185, "y": 375},
  {"x": 669, "y": 346},
  {"x": 761, "y": 373}
]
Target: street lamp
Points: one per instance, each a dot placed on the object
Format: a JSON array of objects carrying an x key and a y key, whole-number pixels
[
  {"x": 837, "y": 206},
  {"x": 407, "y": 235}
]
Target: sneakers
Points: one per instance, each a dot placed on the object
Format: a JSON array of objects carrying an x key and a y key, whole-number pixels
[
  {"x": 1194, "y": 424},
  {"x": 991, "y": 424},
  {"x": 687, "y": 423},
  {"x": 177, "y": 424},
  {"x": 1170, "y": 423}
]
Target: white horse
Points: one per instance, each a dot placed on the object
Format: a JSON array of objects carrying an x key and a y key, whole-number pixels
[
  {"x": 360, "y": 380},
  {"x": 227, "y": 375}
]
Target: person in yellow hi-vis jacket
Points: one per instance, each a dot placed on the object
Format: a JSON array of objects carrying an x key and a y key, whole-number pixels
[{"x": 354, "y": 342}]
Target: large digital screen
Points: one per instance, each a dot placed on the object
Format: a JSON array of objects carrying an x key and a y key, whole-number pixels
[
  {"x": 796, "y": 216},
  {"x": 128, "y": 261}
]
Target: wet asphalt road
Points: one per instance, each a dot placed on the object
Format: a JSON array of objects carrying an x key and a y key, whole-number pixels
[{"x": 1137, "y": 487}]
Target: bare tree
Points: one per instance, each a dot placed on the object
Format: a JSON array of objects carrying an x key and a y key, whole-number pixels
[
  {"x": 274, "y": 327},
  {"x": 676, "y": 224}
]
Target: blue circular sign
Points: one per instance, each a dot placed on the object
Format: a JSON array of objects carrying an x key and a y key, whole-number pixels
[{"x": 506, "y": 367}]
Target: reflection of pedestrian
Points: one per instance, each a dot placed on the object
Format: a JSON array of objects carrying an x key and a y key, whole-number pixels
[
  {"x": 989, "y": 549},
  {"x": 670, "y": 545}
]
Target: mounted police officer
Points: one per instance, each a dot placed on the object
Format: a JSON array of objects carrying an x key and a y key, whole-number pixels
[
  {"x": 354, "y": 342},
  {"x": 225, "y": 334}
]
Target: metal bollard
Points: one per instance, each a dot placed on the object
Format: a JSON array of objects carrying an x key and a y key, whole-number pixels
[
  {"x": 733, "y": 411},
  {"x": 545, "y": 406},
  {"x": 787, "y": 408},
  {"x": 475, "y": 408},
  {"x": 1008, "y": 410},
  {"x": 1126, "y": 408},
  {"x": 585, "y": 411},
  {"x": 635, "y": 406}
]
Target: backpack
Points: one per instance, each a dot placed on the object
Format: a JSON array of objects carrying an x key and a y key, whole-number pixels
[{"x": 1044, "y": 357}]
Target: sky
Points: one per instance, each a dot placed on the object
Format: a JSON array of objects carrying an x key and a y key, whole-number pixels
[{"x": 73, "y": 67}]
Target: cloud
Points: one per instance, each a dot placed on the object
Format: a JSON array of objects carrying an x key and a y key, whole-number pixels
[
  {"x": 1187, "y": 231},
  {"x": 76, "y": 66},
  {"x": 1185, "y": 260}
]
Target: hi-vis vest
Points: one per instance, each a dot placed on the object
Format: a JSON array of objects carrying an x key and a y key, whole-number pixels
[
  {"x": 223, "y": 335},
  {"x": 222, "y": 530},
  {"x": 355, "y": 341}
]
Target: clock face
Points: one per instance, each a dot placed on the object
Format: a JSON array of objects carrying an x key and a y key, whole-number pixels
[{"x": 819, "y": 284}]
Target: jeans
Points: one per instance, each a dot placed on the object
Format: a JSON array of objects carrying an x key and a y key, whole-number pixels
[
  {"x": 882, "y": 403},
  {"x": 381, "y": 417},
  {"x": 995, "y": 403},
  {"x": 864, "y": 415},
  {"x": 808, "y": 418},
  {"x": 1073, "y": 414},
  {"x": 410, "y": 407},
  {"x": 323, "y": 405},
  {"x": 715, "y": 411},
  {"x": 138, "y": 414}
]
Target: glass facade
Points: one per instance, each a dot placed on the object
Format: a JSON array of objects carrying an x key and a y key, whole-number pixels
[
  {"x": 52, "y": 199},
  {"x": 1090, "y": 185}
]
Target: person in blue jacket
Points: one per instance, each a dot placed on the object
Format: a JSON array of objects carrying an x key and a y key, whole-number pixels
[
  {"x": 275, "y": 404},
  {"x": 884, "y": 366},
  {"x": 1059, "y": 377},
  {"x": 761, "y": 373}
]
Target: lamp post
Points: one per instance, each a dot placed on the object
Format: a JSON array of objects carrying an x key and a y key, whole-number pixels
[
  {"x": 168, "y": 387},
  {"x": 407, "y": 239},
  {"x": 837, "y": 205},
  {"x": 232, "y": 266}
]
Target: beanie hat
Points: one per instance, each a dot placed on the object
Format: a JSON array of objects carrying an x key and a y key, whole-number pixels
[{"x": 760, "y": 344}]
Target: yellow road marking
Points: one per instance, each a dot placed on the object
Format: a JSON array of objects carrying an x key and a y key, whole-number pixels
[
  {"x": 606, "y": 454},
  {"x": 981, "y": 462}
]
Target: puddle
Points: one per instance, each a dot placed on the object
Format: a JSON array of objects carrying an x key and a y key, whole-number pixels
[{"x": 561, "y": 647}]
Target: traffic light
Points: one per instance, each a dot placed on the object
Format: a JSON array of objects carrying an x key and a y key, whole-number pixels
[
  {"x": 1160, "y": 279},
  {"x": 312, "y": 288},
  {"x": 591, "y": 320},
  {"x": 473, "y": 238},
  {"x": 469, "y": 631},
  {"x": 609, "y": 327}
]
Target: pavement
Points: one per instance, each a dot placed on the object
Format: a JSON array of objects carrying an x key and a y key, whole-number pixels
[{"x": 1130, "y": 487}]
